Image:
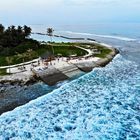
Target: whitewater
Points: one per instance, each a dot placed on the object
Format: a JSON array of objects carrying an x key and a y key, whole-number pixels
[
  {"x": 97, "y": 35},
  {"x": 101, "y": 105}
]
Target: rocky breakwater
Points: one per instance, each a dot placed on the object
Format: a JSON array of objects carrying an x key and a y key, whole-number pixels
[
  {"x": 12, "y": 90},
  {"x": 104, "y": 61},
  {"x": 20, "y": 79}
]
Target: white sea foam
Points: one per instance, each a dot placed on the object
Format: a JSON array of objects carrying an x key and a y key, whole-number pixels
[
  {"x": 95, "y": 106},
  {"x": 103, "y": 36}
]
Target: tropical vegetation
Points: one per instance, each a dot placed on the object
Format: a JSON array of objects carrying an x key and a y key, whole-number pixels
[
  {"x": 12, "y": 36},
  {"x": 50, "y": 33},
  {"x": 16, "y": 46}
]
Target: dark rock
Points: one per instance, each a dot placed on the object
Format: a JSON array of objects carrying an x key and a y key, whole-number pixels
[
  {"x": 7, "y": 138},
  {"x": 27, "y": 134},
  {"x": 68, "y": 127},
  {"x": 59, "y": 111},
  {"x": 57, "y": 128}
]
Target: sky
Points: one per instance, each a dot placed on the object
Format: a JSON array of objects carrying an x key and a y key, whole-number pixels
[{"x": 67, "y": 12}]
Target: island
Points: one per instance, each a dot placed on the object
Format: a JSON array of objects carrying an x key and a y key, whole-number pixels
[{"x": 25, "y": 61}]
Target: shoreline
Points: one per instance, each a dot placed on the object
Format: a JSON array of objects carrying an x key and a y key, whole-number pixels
[
  {"x": 52, "y": 76},
  {"x": 24, "y": 78}
]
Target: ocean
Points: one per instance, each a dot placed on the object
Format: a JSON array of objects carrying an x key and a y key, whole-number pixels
[{"x": 101, "y": 105}]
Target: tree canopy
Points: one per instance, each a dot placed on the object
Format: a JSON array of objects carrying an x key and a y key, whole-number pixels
[
  {"x": 50, "y": 31},
  {"x": 12, "y": 36}
]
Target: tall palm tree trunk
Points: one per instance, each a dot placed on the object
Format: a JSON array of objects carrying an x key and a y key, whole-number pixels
[{"x": 50, "y": 33}]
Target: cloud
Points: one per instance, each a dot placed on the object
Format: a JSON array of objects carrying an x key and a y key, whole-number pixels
[
  {"x": 20, "y": 4},
  {"x": 101, "y": 2},
  {"x": 55, "y": 11},
  {"x": 11, "y": 5}
]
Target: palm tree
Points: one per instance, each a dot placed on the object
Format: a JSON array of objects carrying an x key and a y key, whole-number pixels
[
  {"x": 1, "y": 29},
  {"x": 19, "y": 30},
  {"x": 1, "y": 34},
  {"x": 20, "y": 35},
  {"x": 50, "y": 33},
  {"x": 27, "y": 30},
  {"x": 13, "y": 36}
]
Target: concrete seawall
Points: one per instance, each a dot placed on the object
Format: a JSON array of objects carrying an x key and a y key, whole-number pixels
[
  {"x": 88, "y": 66},
  {"x": 54, "y": 74},
  {"x": 66, "y": 72},
  {"x": 50, "y": 76}
]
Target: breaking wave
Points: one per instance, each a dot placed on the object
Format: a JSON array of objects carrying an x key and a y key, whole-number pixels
[
  {"x": 103, "y": 104},
  {"x": 103, "y": 36}
]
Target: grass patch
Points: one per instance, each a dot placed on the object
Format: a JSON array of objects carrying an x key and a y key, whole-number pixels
[
  {"x": 103, "y": 51},
  {"x": 27, "y": 52},
  {"x": 3, "y": 61},
  {"x": 67, "y": 50},
  {"x": 30, "y": 50},
  {"x": 19, "y": 58},
  {"x": 3, "y": 72}
]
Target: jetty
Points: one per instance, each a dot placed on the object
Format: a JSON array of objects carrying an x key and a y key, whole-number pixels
[{"x": 58, "y": 71}]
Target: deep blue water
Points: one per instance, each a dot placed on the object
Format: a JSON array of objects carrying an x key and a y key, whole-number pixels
[{"x": 101, "y": 105}]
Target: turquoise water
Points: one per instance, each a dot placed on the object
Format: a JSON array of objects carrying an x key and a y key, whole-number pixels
[
  {"x": 101, "y": 105},
  {"x": 131, "y": 30}
]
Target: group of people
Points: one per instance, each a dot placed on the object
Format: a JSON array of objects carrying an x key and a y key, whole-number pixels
[
  {"x": 22, "y": 68},
  {"x": 50, "y": 61}
]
